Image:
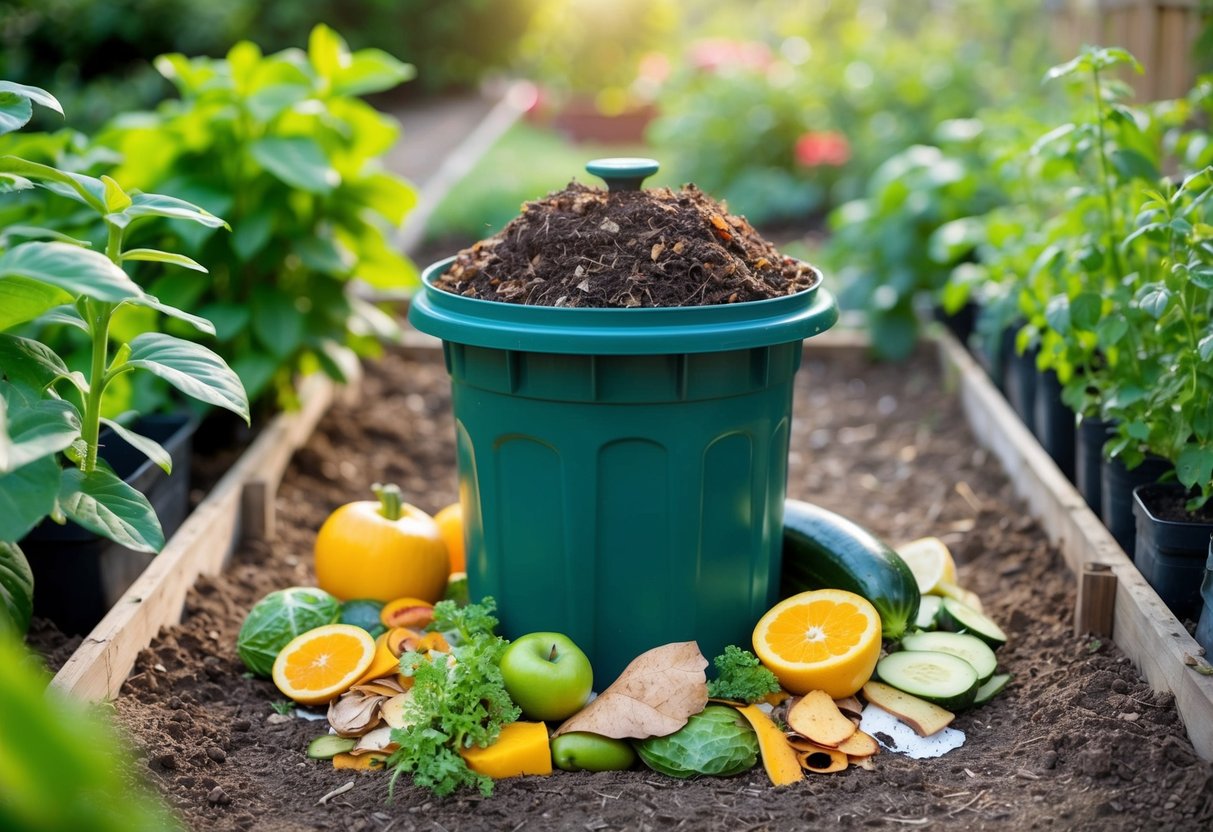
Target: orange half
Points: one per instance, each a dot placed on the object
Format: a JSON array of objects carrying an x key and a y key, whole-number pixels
[
  {"x": 317, "y": 666},
  {"x": 826, "y": 639}
]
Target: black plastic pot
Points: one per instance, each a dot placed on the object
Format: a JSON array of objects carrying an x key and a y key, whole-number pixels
[
  {"x": 1089, "y": 439},
  {"x": 1054, "y": 422},
  {"x": 1116, "y": 497},
  {"x": 1019, "y": 384},
  {"x": 78, "y": 575},
  {"x": 1204, "y": 629},
  {"x": 1171, "y": 555},
  {"x": 962, "y": 323}
]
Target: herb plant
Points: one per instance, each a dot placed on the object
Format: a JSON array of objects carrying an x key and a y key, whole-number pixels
[
  {"x": 50, "y": 417},
  {"x": 457, "y": 701},
  {"x": 282, "y": 146}
]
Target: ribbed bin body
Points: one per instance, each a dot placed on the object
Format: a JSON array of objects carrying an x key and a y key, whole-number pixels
[
  {"x": 624, "y": 496},
  {"x": 626, "y": 501}
]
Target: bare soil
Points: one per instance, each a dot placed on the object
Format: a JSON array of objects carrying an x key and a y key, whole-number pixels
[
  {"x": 1077, "y": 742},
  {"x": 585, "y": 247}
]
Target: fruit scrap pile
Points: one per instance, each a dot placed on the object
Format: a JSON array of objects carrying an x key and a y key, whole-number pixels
[{"x": 426, "y": 688}]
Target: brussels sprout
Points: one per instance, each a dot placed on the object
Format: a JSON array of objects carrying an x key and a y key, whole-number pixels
[
  {"x": 718, "y": 741},
  {"x": 279, "y": 617}
]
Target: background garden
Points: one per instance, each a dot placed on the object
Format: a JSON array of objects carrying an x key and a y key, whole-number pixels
[{"x": 228, "y": 171}]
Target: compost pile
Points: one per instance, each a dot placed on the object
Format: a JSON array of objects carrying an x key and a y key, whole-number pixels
[{"x": 583, "y": 247}]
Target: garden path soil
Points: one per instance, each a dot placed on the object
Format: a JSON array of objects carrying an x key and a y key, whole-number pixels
[{"x": 1078, "y": 741}]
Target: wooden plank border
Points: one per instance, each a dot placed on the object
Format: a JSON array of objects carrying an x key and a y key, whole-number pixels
[
  {"x": 1142, "y": 625},
  {"x": 241, "y": 502}
]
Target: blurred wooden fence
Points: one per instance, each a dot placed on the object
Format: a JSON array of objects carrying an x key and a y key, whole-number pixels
[{"x": 1161, "y": 34}]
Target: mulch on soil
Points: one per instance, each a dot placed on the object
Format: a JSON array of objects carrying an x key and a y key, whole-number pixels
[
  {"x": 583, "y": 247},
  {"x": 1078, "y": 740}
]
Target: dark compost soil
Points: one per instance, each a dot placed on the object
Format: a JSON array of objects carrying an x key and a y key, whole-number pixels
[
  {"x": 1078, "y": 740},
  {"x": 581, "y": 247}
]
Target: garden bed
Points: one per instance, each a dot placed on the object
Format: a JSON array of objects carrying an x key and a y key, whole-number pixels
[{"x": 1079, "y": 740}]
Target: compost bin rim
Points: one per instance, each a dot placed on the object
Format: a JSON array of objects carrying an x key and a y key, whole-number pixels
[{"x": 643, "y": 331}]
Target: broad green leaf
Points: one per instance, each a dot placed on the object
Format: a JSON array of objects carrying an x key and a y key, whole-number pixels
[
  {"x": 33, "y": 232},
  {"x": 1202, "y": 276},
  {"x": 16, "y": 589},
  {"x": 368, "y": 71},
  {"x": 338, "y": 362},
  {"x": 1138, "y": 430},
  {"x": 253, "y": 231},
  {"x": 15, "y": 112},
  {"x": 323, "y": 254},
  {"x": 1085, "y": 310},
  {"x": 271, "y": 101},
  {"x": 296, "y": 161},
  {"x": 1148, "y": 228},
  {"x": 191, "y": 368},
  {"x": 256, "y": 370},
  {"x": 1194, "y": 465},
  {"x": 326, "y": 51},
  {"x": 1205, "y": 347},
  {"x": 1078, "y": 63},
  {"x": 104, "y": 504},
  {"x": 35, "y": 94},
  {"x": 1057, "y": 313},
  {"x": 27, "y": 495},
  {"x": 157, "y": 256},
  {"x": 36, "y": 427},
  {"x": 1133, "y": 165},
  {"x": 387, "y": 195},
  {"x": 1111, "y": 330},
  {"x": 77, "y": 186},
  {"x": 1154, "y": 299},
  {"x": 197, "y": 322},
  {"x": 150, "y": 448},
  {"x": 65, "y": 315},
  {"x": 277, "y": 323},
  {"x": 76, "y": 270},
  {"x": 1054, "y": 135},
  {"x": 159, "y": 205},
  {"x": 10, "y": 183},
  {"x": 116, "y": 199},
  {"x": 30, "y": 362},
  {"x": 22, "y": 299}
]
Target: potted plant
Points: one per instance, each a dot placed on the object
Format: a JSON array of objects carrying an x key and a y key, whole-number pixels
[
  {"x": 1174, "y": 417},
  {"x": 51, "y": 417}
]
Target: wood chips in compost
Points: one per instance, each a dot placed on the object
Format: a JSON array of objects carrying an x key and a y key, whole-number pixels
[{"x": 585, "y": 247}]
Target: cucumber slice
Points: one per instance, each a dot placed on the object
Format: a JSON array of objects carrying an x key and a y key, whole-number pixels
[
  {"x": 958, "y": 618},
  {"x": 970, "y": 648},
  {"x": 940, "y": 678},
  {"x": 991, "y": 688},
  {"x": 329, "y": 746},
  {"x": 928, "y": 609}
]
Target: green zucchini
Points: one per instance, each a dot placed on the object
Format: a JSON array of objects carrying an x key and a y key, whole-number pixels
[
  {"x": 970, "y": 648},
  {"x": 823, "y": 550}
]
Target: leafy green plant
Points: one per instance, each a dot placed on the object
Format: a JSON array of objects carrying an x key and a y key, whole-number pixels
[
  {"x": 282, "y": 146},
  {"x": 50, "y": 416}
]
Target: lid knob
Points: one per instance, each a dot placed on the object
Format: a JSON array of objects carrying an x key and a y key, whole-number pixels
[{"x": 622, "y": 173}]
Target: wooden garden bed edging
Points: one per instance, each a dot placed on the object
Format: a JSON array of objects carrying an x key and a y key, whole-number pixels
[
  {"x": 1142, "y": 626},
  {"x": 239, "y": 506}
]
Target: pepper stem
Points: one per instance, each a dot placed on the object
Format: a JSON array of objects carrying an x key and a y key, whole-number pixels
[{"x": 391, "y": 500}]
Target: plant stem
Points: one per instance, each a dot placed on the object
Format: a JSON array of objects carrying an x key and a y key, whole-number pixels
[{"x": 98, "y": 315}]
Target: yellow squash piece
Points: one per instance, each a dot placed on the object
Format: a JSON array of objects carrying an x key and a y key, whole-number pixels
[
  {"x": 778, "y": 758},
  {"x": 384, "y": 663},
  {"x": 522, "y": 748},
  {"x": 360, "y": 762}
]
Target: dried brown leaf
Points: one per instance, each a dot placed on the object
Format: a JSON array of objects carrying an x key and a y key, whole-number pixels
[
  {"x": 654, "y": 696},
  {"x": 353, "y": 713}
]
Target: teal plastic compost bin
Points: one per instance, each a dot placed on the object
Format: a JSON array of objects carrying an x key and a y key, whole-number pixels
[{"x": 622, "y": 471}]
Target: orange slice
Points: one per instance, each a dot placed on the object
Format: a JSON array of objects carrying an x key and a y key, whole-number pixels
[
  {"x": 827, "y": 639},
  {"x": 320, "y": 664}
]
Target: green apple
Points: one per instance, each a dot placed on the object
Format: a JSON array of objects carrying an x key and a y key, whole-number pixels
[
  {"x": 583, "y": 751},
  {"x": 547, "y": 676}
]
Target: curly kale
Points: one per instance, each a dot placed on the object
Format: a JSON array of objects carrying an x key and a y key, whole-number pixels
[{"x": 741, "y": 677}]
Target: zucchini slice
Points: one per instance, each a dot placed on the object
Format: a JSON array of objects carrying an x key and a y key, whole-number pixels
[
  {"x": 330, "y": 745},
  {"x": 970, "y": 648},
  {"x": 993, "y": 686},
  {"x": 958, "y": 618},
  {"x": 939, "y": 678},
  {"x": 928, "y": 609}
]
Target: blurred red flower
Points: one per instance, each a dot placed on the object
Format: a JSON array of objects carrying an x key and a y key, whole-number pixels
[
  {"x": 823, "y": 148},
  {"x": 715, "y": 54}
]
